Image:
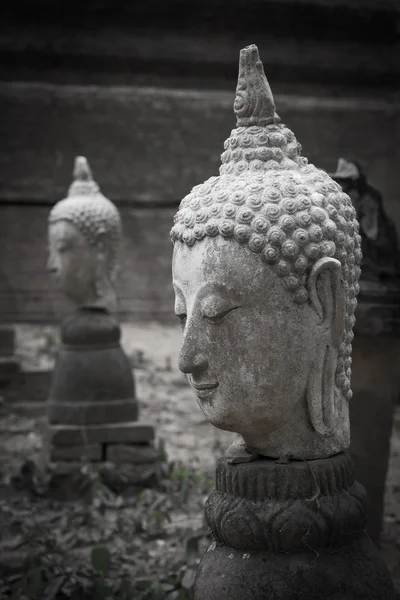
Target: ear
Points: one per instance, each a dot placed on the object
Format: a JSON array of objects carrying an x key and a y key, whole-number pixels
[
  {"x": 327, "y": 297},
  {"x": 326, "y": 293},
  {"x": 101, "y": 241}
]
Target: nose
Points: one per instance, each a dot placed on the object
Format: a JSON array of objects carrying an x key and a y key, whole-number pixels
[
  {"x": 191, "y": 359},
  {"x": 51, "y": 269},
  {"x": 51, "y": 266}
]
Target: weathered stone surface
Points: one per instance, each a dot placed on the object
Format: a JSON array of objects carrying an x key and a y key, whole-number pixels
[
  {"x": 123, "y": 433},
  {"x": 266, "y": 505},
  {"x": 92, "y": 413},
  {"x": 93, "y": 452},
  {"x": 266, "y": 266},
  {"x": 92, "y": 381},
  {"x": 84, "y": 236},
  {"x": 124, "y": 453},
  {"x": 238, "y": 453},
  {"x": 306, "y": 518},
  {"x": 228, "y": 574},
  {"x": 273, "y": 243}
]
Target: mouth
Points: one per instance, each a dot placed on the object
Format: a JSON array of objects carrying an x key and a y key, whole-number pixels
[{"x": 204, "y": 389}]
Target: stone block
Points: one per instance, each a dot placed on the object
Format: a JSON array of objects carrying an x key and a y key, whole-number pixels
[
  {"x": 92, "y": 413},
  {"x": 29, "y": 386},
  {"x": 7, "y": 341},
  {"x": 124, "y": 433},
  {"x": 31, "y": 410},
  {"x": 131, "y": 453},
  {"x": 68, "y": 482},
  {"x": 129, "y": 479},
  {"x": 9, "y": 368},
  {"x": 91, "y": 452}
]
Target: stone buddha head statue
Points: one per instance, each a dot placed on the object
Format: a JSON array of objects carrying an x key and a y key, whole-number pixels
[
  {"x": 84, "y": 234},
  {"x": 265, "y": 273}
]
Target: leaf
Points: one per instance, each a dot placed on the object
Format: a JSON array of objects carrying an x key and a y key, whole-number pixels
[
  {"x": 53, "y": 588},
  {"x": 34, "y": 583},
  {"x": 101, "y": 591},
  {"x": 101, "y": 560},
  {"x": 144, "y": 584}
]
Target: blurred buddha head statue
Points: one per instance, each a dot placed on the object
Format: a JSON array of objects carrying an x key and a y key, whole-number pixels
[
  {"x": 265, "y": 273},
  {"x": 84, "y": 234}
]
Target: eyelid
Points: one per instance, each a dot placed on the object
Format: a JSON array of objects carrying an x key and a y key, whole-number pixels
[{"x": 221, "y": 314}]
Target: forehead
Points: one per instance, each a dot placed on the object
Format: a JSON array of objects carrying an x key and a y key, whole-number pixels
[
  {"x": 64, "y": 230},
  {"x": 218, "y": 264}
]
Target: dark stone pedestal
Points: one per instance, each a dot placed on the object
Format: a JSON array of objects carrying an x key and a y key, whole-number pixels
[
  {"x": 92, "y": 380},
  {"x": 290, "y": 532},
  {"x": 92, "y": 407}
]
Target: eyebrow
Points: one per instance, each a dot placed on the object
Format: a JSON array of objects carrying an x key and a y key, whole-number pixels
[{"x": 213, "y": 287}]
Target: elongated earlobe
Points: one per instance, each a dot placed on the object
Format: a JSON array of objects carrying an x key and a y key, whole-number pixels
[{"x": 326, "y": 293}]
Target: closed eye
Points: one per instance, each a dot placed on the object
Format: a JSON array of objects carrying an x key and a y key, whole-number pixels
[{"x": 221, "y": 315}]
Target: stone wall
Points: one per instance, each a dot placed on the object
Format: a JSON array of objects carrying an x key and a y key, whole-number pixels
[{"x": 147, "y": 148}]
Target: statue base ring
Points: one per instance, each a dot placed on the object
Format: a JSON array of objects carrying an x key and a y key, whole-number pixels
[{"x": 290, "y": 532}]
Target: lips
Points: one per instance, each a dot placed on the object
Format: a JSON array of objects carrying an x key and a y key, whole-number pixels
[
  {"x": 202, "y": 387},
  {"x": 204, "y": 390}
]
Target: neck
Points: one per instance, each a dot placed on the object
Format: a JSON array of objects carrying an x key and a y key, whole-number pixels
[
  {"x": 298, "y": 440},
  {"x": 101, "y": 296}
]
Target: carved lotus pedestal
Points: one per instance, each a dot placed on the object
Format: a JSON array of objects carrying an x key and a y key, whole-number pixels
[
  {"x": 290, "y": 532},
  {"x": 92, "y": 409}
]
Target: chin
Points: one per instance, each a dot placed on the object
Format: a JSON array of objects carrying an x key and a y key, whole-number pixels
[{"x": 222, "y": 419}]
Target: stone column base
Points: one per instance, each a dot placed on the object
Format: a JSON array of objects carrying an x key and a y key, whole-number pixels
[{"x": 290, "y": 532}]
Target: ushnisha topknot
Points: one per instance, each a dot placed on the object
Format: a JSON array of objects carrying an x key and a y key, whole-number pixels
[
  {"x": 91, "y": 212},
  {"x": 254, "y": 103},
  {"x": 269, "y": 198}
]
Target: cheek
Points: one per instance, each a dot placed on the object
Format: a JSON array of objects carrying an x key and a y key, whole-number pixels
[
  {"x": 70, "y": 267},
  {"x": 265, "y": 354}
]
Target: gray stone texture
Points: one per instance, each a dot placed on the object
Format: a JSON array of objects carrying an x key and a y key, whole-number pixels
[
  {"x": 290, "y": 531},
  {"x": 131, "y": 453},
  {"x": 84, "y": 234},
  {"x": 266, "y": 269},
  {"x": 126, "y": 433},
  {"x": 91, "y": 452}
]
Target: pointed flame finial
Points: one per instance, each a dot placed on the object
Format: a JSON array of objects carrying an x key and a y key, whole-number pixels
[
  {"x": 82, "y": 170},
  {"x": 254, "y": 103},
  {"x": 83, "y": 183}
]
